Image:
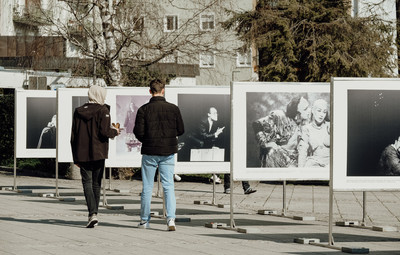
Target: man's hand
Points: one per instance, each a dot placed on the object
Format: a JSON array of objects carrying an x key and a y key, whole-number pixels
[{"x": 219, "y": 131}]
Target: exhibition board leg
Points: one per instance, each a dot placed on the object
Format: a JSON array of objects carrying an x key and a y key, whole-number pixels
[
  {"x": 104, "y": 189},
  {"x": 284, "y": 198},
  {"x": 109, "y": 178},
  {"x": 57, "y": 193},
  {"x": 331, "y": 241},
  {"x": 213, "y": 195},
  {"x": 15, "y": 172},
  {"x": 363, "y": 223}
]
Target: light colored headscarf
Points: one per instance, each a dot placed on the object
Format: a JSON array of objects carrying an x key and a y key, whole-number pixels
[{"x": 97, "y": 94}]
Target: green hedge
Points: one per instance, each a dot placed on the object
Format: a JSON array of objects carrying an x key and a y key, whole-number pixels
[{"x": 7, "y": 127}]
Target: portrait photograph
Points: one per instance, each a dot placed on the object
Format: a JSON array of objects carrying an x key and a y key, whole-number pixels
[
  {"x": 68, "y": 100},
  {"x": 36, "y": 124},
  {"x": 285, "y": 130},
  {"x": 124, "y": 150},
  {"x": 371, "y": 154},
  {"x": 205, "y": 145}
]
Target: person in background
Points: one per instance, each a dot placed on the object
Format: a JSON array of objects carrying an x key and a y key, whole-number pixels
[
  {"x": 91, "y": 130},
  {"x": 157, "y": 125}
]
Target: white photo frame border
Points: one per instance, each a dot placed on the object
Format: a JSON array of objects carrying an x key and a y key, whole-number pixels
[
  {"x": 115, "y": 160},
  {"x": 21, "y": 150},
  {"x": 239, "y": 131},
  {"x": 198, "y": 167},
  {"x": 338, "y": 173},
  {"x": 64, "y": 119}
]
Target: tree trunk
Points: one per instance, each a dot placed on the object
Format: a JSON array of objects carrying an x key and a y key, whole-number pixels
[{"x": 113, "y": 65}]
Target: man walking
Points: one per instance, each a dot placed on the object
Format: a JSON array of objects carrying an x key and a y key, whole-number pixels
[{"x": 157, "y": 125}]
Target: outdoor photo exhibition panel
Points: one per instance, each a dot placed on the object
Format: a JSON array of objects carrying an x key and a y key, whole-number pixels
[
  {"x": 281, "y": 131},
  {"x": 68, "y": 100},
  {"x": 205, "y": 146},
  {"x": 124, "y": 150},
  {"x": 36, "y": 121},
  {"x": 366, "y": 130}
]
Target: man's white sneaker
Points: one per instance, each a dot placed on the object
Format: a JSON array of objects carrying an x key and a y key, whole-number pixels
[
  {"x": 171, "y": 224},
  {"x": 144, "y": 224}
]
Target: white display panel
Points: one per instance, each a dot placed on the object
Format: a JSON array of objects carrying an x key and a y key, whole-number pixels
[
  {"x": 124, "y": 150},
  {"x": 266, "y": 137},
  {"x": 366, "y": 124},
  {"x": 203, "y": 149},
  {"x": 35, "y": 123},
  {"x": 68, "y": 100}
]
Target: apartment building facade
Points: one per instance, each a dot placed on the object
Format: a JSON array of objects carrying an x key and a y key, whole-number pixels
[{"x": 200, "y": 51}]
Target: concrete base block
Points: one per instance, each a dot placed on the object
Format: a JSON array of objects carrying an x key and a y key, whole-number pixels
[
  {"x": 306, "y": 240},
  {"x": 384, "y": 228},
  {"x": 223, "y": 206},
  {"x": 154, "y": 214},
  {"x": 215, "y": 225},
  {"x": 355, "y": 250},
  {"x": 67, "y": 199},
  {"x": 248, "y": 230},
  {"x": 267, "y": 212},
  {"x": 304, "y": 218},
  {"x": 346, "y": 223},
  {"x": 25, "y": 191},
  {"x": 198, "y": 202},
  {"x": 6, "y": 188},
  {"x": 122, "y": 190},
  {"x": 183, "y": 219},
  {"x": 115, "y": 207},
  {"x": 46, "y": 195}
]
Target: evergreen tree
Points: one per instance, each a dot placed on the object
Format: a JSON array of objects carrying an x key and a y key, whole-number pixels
[{"x": 314, "y": 40}]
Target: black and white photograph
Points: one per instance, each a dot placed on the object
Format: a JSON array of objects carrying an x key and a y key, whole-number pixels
[
  {"x": 287, "y": 128},
  {"x": 36, "y": 124},
  {"x": 205, "y": 145},
  {"x": 366, "y": 152},
  {"x": 41, "y": 123},
  {"x": 68, "y": 100},
  {"x": 207, "y": 127}
]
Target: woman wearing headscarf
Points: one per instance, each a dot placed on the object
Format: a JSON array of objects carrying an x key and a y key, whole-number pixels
[{"x": 91, "y": 130}]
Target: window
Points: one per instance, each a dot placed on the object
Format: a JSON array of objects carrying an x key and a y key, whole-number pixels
[
  {"x": 170, "y": 23},
  {"x": 207, "y": 60},
  {"x": 243, "y": 59},
  {"x": 138, "y": 24},
  {"x": 207, "y": 22}
]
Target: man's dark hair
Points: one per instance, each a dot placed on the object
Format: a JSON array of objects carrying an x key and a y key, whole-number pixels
[
  {"x": 291, "y": 108},
  {"x": 156, "y": 86}
]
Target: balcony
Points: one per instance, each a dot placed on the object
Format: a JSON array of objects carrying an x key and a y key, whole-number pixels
[{"x": 32, "y": 15}]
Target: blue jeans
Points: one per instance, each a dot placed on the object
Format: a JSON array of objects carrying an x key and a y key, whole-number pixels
[{"x": 165, "y": 165}]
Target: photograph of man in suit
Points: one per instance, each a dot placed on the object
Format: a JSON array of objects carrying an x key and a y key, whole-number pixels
[{"x": 209, "y": 129}]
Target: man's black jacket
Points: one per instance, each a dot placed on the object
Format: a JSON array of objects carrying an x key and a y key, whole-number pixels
[{"x": 157, "y": 125}]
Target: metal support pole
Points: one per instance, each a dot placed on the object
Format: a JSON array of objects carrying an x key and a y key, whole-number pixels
[
  {"x": 363, "y": 223},
  {"x": 104, "y": 188},
  {"x": 284, "y": 198},
  {"x": 109, "y": 178},
  {"x": 15, "y": 171},
  {"x": 15, "y": 140},
  {"x": 331, "y": 241},
  {"x": 213, "y": 197},
  {"x": 233, "y": 225},
  {"x": 57, "y": 194}
]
